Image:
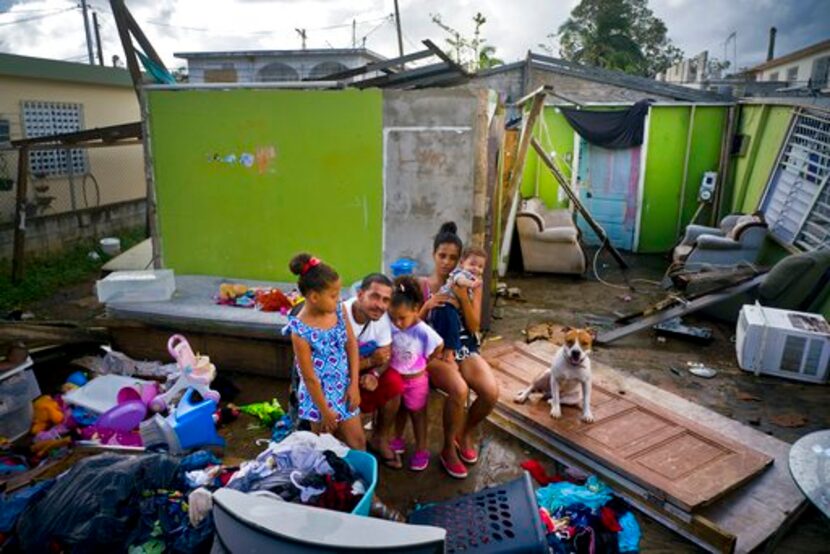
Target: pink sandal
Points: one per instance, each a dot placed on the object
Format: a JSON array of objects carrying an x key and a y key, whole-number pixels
[
  {"x": 456, "y": 470},
  {"x": 467, "y": 455},
  {"x": 419, "y": 460},
  {"x": 397, "y": 445}
]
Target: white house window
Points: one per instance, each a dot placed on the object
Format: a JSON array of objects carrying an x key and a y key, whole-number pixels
[
  {"x": 4, "y": 132},
  {"x": 773, "y": 76},
  {"x": 51, "y": 118},
  {"x": 796, "y": 203},
  {"x": 792, "y": 75},
  {"x": 818, "y": 76}
]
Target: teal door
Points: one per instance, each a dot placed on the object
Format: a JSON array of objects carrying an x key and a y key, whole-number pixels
[{"x": 608, "y": 183}]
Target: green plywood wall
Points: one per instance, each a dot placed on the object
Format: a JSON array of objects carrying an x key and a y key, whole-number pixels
[
  {"x": 246, "y": 178},
  {"x": 668, "y": 133},
  {"x": 766, "y": 127},
  {"x": 556, "y": 134}
]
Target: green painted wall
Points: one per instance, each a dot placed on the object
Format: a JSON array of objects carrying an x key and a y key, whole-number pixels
[
  {"x": 555, "y": 134},
  {"x": 313, "y": 182},
  {"x": 766, "y": 126},
  {"x": 668, "y": 132}
]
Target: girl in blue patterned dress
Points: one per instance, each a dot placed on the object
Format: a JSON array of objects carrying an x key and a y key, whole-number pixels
[{"x": 326, "y": 355}]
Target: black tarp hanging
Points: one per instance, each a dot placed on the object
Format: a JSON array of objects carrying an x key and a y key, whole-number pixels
[{"x": 610, "y": 129}]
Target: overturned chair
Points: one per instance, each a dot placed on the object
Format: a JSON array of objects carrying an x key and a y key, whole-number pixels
[
  {"x": 738, "y": 239},
  {"x": 549, "y": 239}
]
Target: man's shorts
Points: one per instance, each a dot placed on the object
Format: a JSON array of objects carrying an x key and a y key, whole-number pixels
[{"x": 390, "y": 385}]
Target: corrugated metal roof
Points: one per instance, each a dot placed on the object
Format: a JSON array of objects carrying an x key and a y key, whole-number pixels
[{"x": 55, "y": 70}]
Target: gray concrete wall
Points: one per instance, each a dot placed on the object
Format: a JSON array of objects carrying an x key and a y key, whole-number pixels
[
  {"x": 54, "y": 233},
  {"x": 431, "y": 146}
]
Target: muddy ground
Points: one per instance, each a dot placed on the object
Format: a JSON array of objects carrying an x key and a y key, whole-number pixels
[{"x": 572, "y": 301}]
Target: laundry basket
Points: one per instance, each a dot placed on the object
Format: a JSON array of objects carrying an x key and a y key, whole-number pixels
[
  {"x": 18, "y": 387},
  {"x": 504, "y": 518}
]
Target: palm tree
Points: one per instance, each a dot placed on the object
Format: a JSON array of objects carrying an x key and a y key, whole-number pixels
[{"x": 487, "y": 59}]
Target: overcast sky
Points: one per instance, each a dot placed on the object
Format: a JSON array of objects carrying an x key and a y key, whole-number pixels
[{"x": 54, "y": 28}]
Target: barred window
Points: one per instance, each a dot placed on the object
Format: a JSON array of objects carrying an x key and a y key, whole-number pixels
[{"x": 42, "y": 119}]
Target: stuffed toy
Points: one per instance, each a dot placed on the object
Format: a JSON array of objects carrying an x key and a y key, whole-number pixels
[
  {"x": 272, "y": 300},
  {"x": 47, "y": 413}
]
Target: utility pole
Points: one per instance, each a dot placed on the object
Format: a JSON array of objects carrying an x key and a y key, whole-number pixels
[
  {"x": 98, "y": 38},
  {"x": 398, "y": 25},
  {"x": 302, "y": 33},
  {"x": 354, "y": 33},
  {"x": 88, "y": 34}
]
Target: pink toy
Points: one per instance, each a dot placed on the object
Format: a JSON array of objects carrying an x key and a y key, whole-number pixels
[{"x": 195, "y": 372}]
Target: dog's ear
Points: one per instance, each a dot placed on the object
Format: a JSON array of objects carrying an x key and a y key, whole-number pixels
[
  {"x": 565, "y": 329},
  {"x": 592, "y": 332}
]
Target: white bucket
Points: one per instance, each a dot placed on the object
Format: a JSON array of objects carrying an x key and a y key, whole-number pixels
[{"x": 111, "y": 246}]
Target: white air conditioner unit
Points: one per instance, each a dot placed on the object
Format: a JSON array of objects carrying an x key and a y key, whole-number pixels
[{"x": 783, "y": 343}]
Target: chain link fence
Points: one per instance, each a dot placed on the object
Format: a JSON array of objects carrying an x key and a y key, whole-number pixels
[{"x": 72, "y": 193}]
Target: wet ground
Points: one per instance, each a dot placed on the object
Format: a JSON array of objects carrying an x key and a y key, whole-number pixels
[{"x": 571, "y": 301}]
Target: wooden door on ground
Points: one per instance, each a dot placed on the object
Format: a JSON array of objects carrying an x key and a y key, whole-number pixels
[
  {"x": 678, "y": 460},
  {"x": 608, "y": 183}
]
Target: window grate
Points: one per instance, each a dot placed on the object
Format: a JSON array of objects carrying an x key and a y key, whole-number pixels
[
  {"x": 797, "y": 201},
  {"x": 42, "y": 119}
]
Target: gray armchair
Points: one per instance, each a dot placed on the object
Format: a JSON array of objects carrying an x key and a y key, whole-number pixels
[
  {"x": 549, "y": 239},
  {"x": 737, "y": 239}
]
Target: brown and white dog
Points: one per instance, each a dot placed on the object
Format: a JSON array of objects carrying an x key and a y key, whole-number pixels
[{"x": 569, "y": 378}]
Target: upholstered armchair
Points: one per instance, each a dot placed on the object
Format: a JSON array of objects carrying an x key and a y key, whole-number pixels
[
  {"x": 549, "y": 239},
  {"x": 737, "y": 239}
]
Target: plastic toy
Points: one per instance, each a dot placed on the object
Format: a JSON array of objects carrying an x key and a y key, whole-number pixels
[
  {"x": 75, "y": 380},
  {"x": 195, "y": 372},
  {"x": 47, "y": 413},
  {"x": 189, "y": 426},
  {"x": 272, "y": 300}
]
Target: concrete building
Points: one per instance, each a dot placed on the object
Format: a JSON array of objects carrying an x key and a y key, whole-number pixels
[
  {"x": 273, "y": 65},
  {"x": 807, "y": 68},
  {"x": 40, "y": 97},
  {"x": 582, "y": 83}
]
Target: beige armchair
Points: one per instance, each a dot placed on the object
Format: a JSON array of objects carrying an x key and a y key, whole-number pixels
[{"x": 549, "y": 239}]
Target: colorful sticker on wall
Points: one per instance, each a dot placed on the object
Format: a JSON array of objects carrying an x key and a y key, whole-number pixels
[{"x": 261, "y": 159}]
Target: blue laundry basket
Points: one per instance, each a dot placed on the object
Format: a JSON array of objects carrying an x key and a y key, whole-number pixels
[
  {"x": 367, "y": 467},
  {"x": 504, "y": 518}
]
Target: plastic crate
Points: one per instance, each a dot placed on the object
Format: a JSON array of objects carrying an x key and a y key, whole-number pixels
[
  {"x": 504, "y": 518},
  {"x": 367, "y": 467}
]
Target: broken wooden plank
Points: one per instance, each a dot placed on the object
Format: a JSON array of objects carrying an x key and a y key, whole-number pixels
[
  {"x": 563, "y": 185},
  {"x": 681, "y": 310},
  {"x": 680, "y": 461},
  {"x": 50, "y": 332},
  {"x": 745, "y": 519}
]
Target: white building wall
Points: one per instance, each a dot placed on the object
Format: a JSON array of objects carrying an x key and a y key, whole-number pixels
[{"x": 804, "y": 65}]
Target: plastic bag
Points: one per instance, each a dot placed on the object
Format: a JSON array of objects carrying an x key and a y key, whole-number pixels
[{"x": 95, "y": 505}]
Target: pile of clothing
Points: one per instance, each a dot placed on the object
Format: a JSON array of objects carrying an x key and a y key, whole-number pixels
[
  {"x": 584, "y": 519},
  {"x": 304, "y": 468},
  {"x": 582, "y": 515}
]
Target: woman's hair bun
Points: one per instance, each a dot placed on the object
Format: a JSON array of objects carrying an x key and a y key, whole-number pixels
[{"x": 449, "y": 227}]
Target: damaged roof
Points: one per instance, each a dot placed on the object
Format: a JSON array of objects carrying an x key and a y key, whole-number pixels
[{"x": 610, "y": 77}]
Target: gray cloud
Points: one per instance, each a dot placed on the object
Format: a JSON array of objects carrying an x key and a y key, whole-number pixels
[{"x": 512, "y": 27}]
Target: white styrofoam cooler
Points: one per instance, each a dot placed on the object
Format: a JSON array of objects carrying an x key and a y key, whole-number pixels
[
  {"x": 784, "y": 343},
  {"x": 137, "y": 286}
]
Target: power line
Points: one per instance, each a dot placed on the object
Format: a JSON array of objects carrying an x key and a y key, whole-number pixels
[
  {"x": 36, "y": 17},
  {"x": 269, "y": 32}
]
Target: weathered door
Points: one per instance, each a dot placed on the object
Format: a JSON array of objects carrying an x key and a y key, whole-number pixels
[
  {"x": 608, "y": 182},
  {"x": 680, "y": 461}
]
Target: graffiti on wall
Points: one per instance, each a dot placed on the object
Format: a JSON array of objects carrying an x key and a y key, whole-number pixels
[{"x": 261, "y": 159}]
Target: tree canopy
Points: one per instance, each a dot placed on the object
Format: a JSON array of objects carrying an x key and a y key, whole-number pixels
[{"x": 618, "y": 34}]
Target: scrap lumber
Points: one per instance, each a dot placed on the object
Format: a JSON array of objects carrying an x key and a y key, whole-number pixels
[
  {"x": 754, "y": 514},
  {"x": 50, "y": 332},
  {"x": 686, "y": 307},
  {"x": 563, "y": 184}
]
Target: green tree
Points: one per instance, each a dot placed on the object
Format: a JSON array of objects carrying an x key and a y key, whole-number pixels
[
  {"x": 618, "y": 34},
  {"x": 473, "y": 53}
]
